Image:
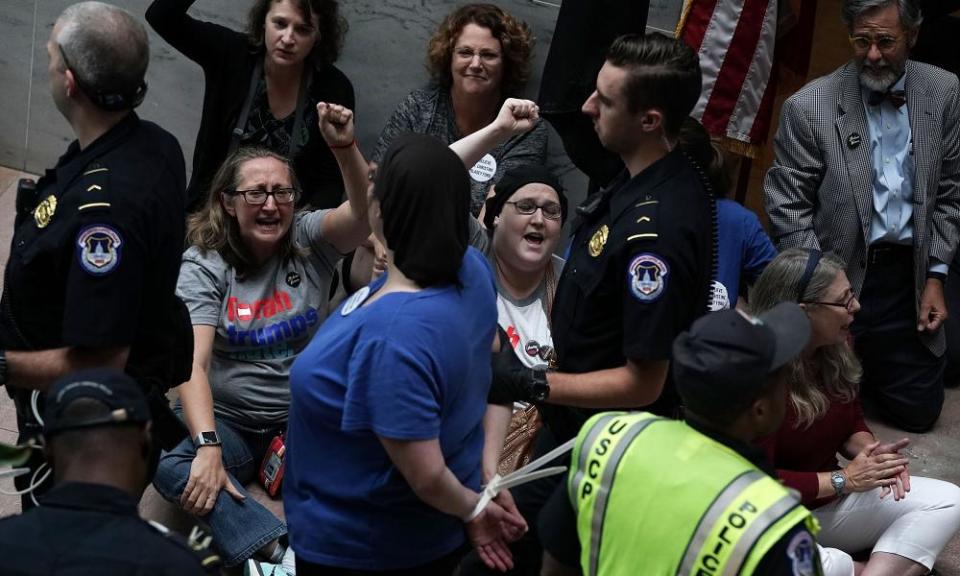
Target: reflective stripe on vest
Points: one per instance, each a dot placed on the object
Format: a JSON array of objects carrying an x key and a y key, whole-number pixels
[
  {"x": 619, "y": 430},
  {"x": 739, "y": 516},
  {"x": 731, "y": 517}
]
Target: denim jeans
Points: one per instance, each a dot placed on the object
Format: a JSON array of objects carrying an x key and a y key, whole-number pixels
[{"x": 239, "y": 529}]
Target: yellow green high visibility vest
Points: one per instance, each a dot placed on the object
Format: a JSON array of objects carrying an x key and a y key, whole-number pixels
[{"x": 655, "y": 497}]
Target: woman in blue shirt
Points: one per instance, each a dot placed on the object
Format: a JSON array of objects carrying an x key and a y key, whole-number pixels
[{"x": 385, "y": 429}]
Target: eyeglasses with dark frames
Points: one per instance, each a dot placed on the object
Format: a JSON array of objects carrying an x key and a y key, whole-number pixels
[
  {"x": 848, "y": 303},
  {"x": 258, "y": 196},
  {"x": 884, "y": 43},
  {"x": 551, "y": 210}
]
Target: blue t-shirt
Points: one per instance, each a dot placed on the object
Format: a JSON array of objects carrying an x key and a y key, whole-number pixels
[
  {"x": 409, "y": 366},
  {"x": 744, "y": 248}
]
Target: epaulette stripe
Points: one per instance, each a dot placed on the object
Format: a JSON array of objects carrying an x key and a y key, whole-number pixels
[
  {"x": 647, "y": 203},
  {"x": 95, "y": 170},
  {"x": 643, "y": 219},
  {"x": 210, "y": 560},
  {"x": 638, "y": 236},
  {"x": 93, "y": 187},
  {"x": 94, "y": 205}
]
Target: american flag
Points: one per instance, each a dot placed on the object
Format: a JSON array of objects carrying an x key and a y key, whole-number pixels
[{"x": 735, "y": 40}]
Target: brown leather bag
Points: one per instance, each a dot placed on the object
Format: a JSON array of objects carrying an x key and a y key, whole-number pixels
[{"x": 520, "y": 441}]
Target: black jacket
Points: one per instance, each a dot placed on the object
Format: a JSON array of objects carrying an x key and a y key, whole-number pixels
[{"x": 228, "y": 61}]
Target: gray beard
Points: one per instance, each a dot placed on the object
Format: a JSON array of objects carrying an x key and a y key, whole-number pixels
[{"x": 880, "y": 83}]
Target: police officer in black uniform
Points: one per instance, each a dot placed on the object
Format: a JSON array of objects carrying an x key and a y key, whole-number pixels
[
  {"x": 98, "y": 435},
  {"x": 641, "y": 262},
  {"x": 640, "y": 265},
  {"x": 97, "y": 242}
]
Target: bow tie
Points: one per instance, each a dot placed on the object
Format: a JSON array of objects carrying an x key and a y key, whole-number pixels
[{"x": 895, "y": 97}]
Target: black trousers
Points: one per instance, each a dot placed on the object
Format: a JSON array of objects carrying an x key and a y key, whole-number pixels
[
  {"x": 952, "y": 293},
  {"x": 902, "y": 379}
]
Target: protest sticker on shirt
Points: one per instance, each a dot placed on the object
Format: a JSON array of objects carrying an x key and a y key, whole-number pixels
[{"x": 484, "y": 170}]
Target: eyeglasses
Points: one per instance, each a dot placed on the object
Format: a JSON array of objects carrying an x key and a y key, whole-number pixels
[
  {"x": 551, "y": 210},
  {"x": 257, "y": 196},
  {"x": 862, "y": 42},
  {"x": 485, "y": 55},
  {"x": 848, "y": 303}
]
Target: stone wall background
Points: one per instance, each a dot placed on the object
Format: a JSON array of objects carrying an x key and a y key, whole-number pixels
[{"x": 383, "y": 56}]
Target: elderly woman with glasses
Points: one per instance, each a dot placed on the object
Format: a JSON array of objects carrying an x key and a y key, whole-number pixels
[
  {"x": 872, "y": 503},
  {"x": 478, "y": 57},
  {"x": 255, "y": 279}
]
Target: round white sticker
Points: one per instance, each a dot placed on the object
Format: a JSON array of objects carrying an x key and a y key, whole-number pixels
[{"x": 484, "y": 170}]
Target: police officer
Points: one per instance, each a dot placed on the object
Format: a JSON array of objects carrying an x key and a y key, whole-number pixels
[
  {"x": 96, "y": 427},
  {"x": 639, "y": 268},
  {"x": 97, "y": 241},
  {"x": 651, "y": 495}
]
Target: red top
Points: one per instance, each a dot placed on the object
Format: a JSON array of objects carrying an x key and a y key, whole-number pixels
[{"x": 799, "y": 453}]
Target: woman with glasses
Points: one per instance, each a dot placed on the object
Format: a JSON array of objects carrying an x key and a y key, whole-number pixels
[
  {"x": 255, "y": 279},
  {"x": 385, "y": 435},
  {"x": 478, "y": 57},
  {"x": 261, "y": 87},
  {"x": 872, "y": 503}
]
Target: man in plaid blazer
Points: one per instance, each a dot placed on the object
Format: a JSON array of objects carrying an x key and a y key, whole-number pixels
[{"x": 868, "y": 166}]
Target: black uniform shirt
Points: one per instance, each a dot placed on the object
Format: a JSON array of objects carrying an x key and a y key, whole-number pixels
[
  {"x": 795, "y": 554},
  {"x": 94, "y": 529},
  {"x": 95, "y": 263},
  {"x": 639, "y": 267},
  {"x": 638, "y": 273}
]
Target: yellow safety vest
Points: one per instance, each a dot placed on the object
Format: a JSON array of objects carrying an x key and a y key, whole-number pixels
[{"x": 655, "y": 497}]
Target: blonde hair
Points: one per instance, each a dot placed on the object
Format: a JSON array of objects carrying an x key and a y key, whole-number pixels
[
  {"x": 213, "y": 228},
  {"x": 833, "y": 372}
]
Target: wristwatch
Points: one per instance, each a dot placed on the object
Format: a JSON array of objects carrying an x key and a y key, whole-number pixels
[
  {"x": 3, "y": 367},
  {"x": 539, "y": 387},
  {"x": 208, "y": 438},
  {"x": 839, "y": 481}
]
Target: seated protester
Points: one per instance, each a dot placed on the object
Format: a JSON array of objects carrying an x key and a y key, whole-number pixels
[
  {"x": 385, "y": 434},
  {"x": 478, "y": 57},
  {"x": 98, "y": 433},
  {"x": 694, "y": 497},
  {"x": 516, "y": 117},
  {"x": 873, "y": 502},
  {"x": 744, "y": 249},
  {"x": 261, "y": 87},
  {"x": 255, "y": 279}
]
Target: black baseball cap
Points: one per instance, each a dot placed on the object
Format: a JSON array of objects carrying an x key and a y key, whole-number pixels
[
  {"x": 122, "y": 397},
  {"x": 726, "y": 357}
]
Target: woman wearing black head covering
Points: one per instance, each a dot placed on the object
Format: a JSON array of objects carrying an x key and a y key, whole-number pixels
[{"x": 385, "y": 431}]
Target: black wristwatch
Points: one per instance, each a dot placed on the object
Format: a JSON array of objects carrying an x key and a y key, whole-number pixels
[
  {"x": 539, "y": 387},
  {"x": 3, "y": 367},
  {"x": 209, "y": 438}
]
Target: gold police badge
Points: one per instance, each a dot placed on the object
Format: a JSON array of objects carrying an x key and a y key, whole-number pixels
[
  {"x": 599, "y": 240},
  {"x": 43, "y": 213}
]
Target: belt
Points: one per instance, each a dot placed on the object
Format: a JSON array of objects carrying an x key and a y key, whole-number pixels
[{"x": 884, "y": 254}]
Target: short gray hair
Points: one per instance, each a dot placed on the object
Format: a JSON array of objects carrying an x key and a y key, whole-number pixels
[
  {"x": 910, "y": 15},
  {"x": 106, "y": 46}
]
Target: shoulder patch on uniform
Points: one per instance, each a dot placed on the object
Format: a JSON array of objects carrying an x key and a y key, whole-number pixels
[
  {"x": 98, "y": 248},
  {"x": 801, "y": 553},
  {"x": 198, "y": 544},
  {"x": 647, "y": 277}
]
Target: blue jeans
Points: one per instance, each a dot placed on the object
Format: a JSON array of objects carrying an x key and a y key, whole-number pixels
[{"x": 239, "y": 529}]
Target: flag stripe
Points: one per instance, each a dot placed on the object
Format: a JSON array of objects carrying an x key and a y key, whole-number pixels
[
  {"x": 697, "y": 21},
  {"x": 740, "y": 56},
  {"x": 713, "y": 49}
]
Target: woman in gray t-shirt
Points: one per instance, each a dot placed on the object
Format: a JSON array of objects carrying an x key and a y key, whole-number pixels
[{"x": 256, "y": 279}]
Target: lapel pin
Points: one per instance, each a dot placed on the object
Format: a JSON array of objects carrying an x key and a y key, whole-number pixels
[{"x": 853, "y": 140}]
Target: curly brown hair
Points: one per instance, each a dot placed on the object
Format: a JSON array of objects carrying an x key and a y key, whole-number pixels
[
  {"x": 332, "y": 26},
  {"x": 515, "y": 36}
]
